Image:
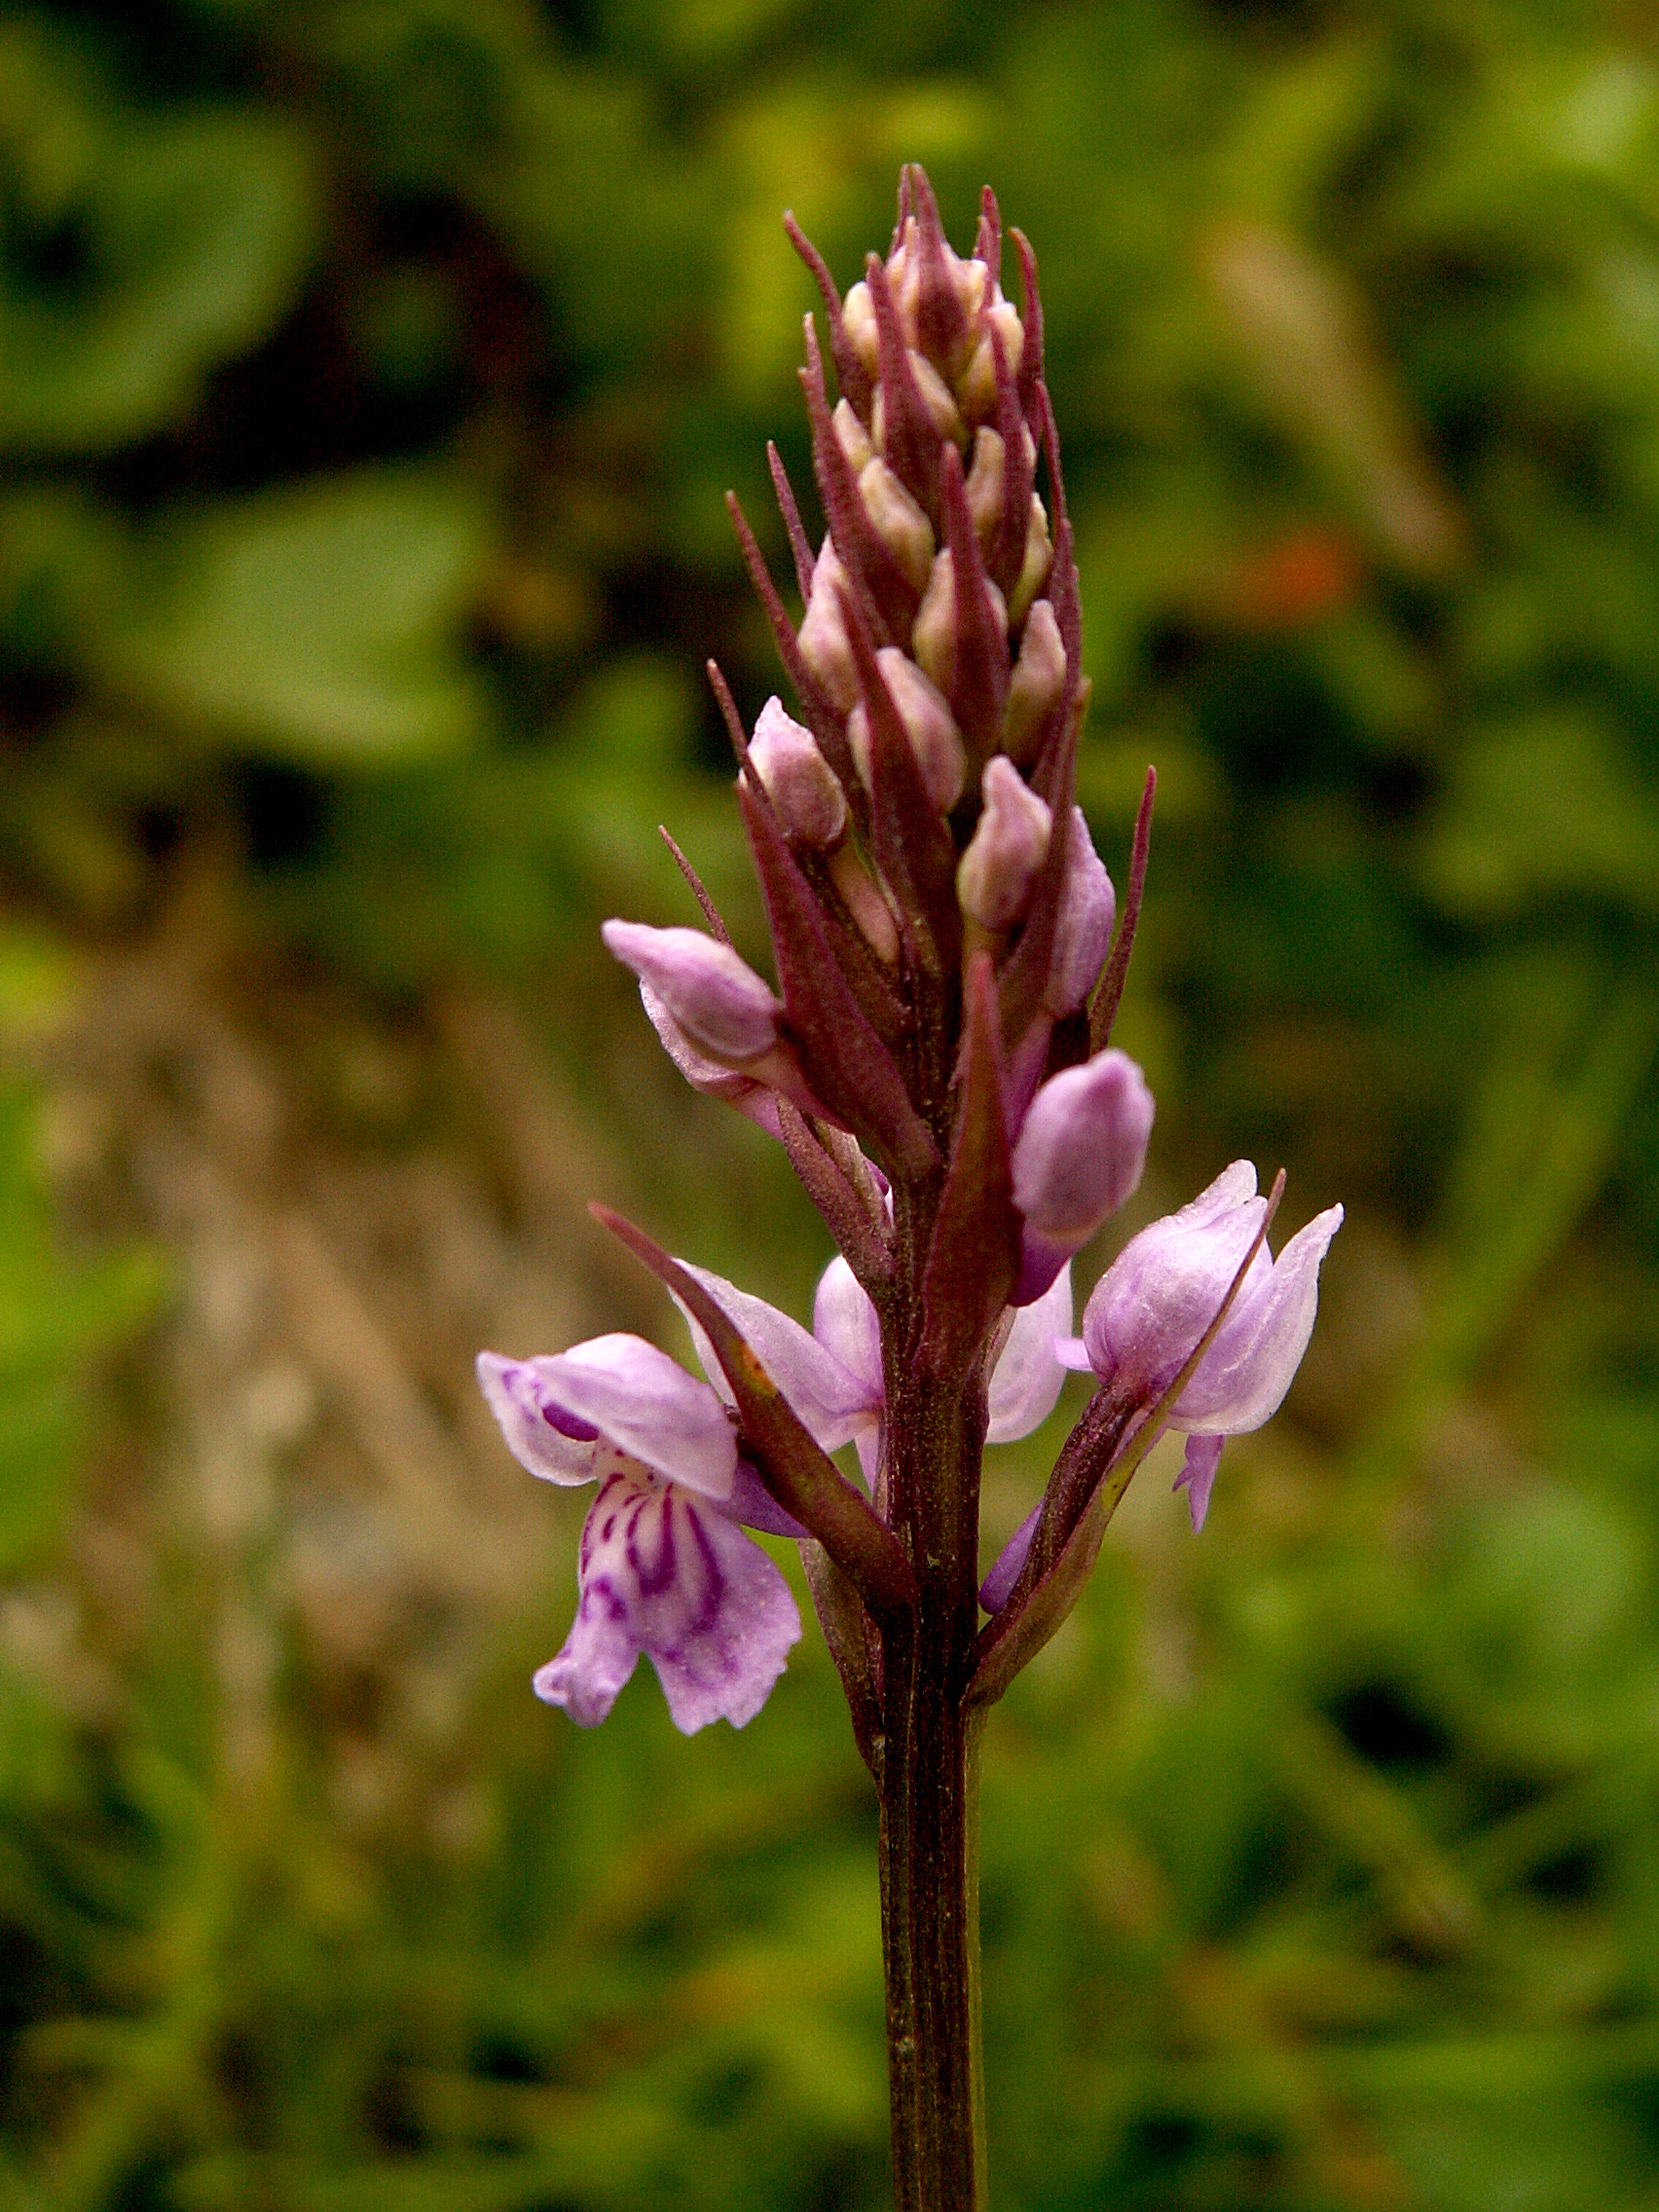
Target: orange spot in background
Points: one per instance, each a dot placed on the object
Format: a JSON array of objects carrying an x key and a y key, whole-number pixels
[{"x": 1307, "y": 573}]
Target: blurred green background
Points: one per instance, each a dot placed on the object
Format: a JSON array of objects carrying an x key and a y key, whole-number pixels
[{"x": 371, "y": 372}]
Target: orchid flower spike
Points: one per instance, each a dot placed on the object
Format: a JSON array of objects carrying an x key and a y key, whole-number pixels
[{"x": 1163, "y": 1291}]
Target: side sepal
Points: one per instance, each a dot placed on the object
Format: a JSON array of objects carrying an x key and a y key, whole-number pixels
[{"x": 797, "y": 1473}]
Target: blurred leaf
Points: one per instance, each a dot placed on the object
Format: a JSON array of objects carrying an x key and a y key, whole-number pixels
[
  {"x": 145, "y": 251},
  {"x": 320, "y": 622},
  {"x": 1543, "y": 808}
]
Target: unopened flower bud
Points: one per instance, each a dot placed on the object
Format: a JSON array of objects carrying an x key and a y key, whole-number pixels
[
  {"x": 823, "y": 637},
  {"x": 935, "y": 738},
  {"x": 933, "y": 638},
  {"x": 1034, "y": 569},
  {"x": 1078, "y": 1157},
  {"x": 936, "y": 401},
  {"x": 1008, "y": 845},
  {"x": 1037, "y": 682},
  {"x": 985, "y": 486},
  {"x": 1165, "y": 1288},
  {"x": 1082, "y": 926},
  {"x": 722, "y": 1006},
  {"x": 858, "y": 320},
  {"x": 852, "y": 436},
  {"x": 936, "y": 397},
  {"x": 977, "y": 387},
  {"x": 800, "y": 782},
  {"x": 897, "y": 521}
]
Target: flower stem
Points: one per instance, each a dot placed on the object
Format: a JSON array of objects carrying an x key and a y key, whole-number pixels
[
  {"x": 930, "y": 1804},
  {"x": 930, "y": 1924}
]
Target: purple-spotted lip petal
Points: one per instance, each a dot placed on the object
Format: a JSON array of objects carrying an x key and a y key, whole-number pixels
[
  {"x": 833, "y": 1403},
  {"x": 666, "y": 1572}
]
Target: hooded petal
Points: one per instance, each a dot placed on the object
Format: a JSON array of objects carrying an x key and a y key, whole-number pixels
[
  {"x": 1026, "y": 1380},
  {"x": 831, "y": 1402},
  {"x": 1246, "y": 1372},
  {"x": 665, "y": 1572},
  {"x": 541, "y": 1434},
  {"x": 618, "y": 1388},
  {"x": 1161, "y": 1293}
]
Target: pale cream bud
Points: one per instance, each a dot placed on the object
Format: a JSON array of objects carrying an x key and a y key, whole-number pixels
[
  {"x": 858, "y": 320},
  {"x": 976, "y": 388},
  {"x": 1034, "y": 569},
  {"x": 935, "y": 395},
  {"x": 935, "y": 739},
  {"x": 824, "y": 644},
  {"x": 897, "y": 521},
  {"x": 936, "y": 402},
  {"x": 1038, "y": 682},
  {"x": 864, "y": 902},
  {"x": 1008, "y": 845},
  {"x": 851, "y": 436},
  {"x": 933, "y": 639},
  {"x": 800, "y": 782},
  {"x": 984, "y": 485}
]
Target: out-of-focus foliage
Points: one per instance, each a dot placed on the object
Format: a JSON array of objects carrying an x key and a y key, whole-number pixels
[{"x": 371, "y": 374}]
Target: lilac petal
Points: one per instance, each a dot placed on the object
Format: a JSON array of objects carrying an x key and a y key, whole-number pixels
[
  {"x": 541, "y": 1434},
  {"x": 708, "y": 1076},
  {"x": 994, "y": 1590},
  {"x": 1231, "y": 1187},
  {"x": 1073, "y": 1353},
  {"x": 752, "y": 1506},
  {"x": 663, "y": 1572},
  {"x": 1041, "y": 1260},
  {"x": 845, "y": 1324},
  {"x": 831, "y": 1403},
  {"x": 1082, "y": 926},
  {"x": 1162, "y": 1292},
  {"x": 648, "y": 1406},
  {"x": 1198, "y": 1475},
  {"x": 1246, "y": 1372},
  {"x": 1027, "y": 1380}
]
